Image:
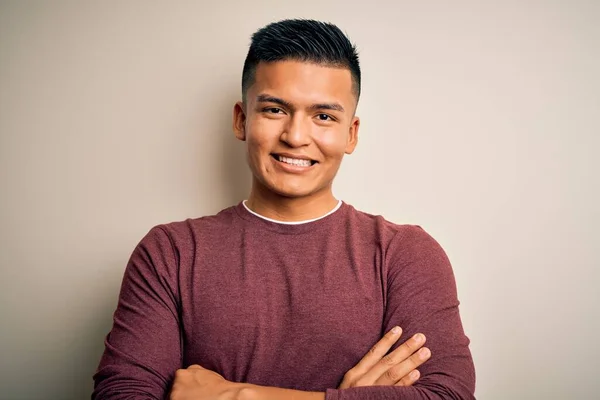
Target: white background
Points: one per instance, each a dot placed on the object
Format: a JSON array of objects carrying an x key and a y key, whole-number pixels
[{"x": 480, "y": 122}]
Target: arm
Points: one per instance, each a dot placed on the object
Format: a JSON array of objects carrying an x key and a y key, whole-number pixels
[
  {"x": 253, "y": 392},
  {"x": 377, "y": 367},
  {"x": 143, "y": 349},
  {"x": 421, "y": 297}
]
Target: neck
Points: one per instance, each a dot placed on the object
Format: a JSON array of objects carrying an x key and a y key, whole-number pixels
[{"x": 290, "y": 209}]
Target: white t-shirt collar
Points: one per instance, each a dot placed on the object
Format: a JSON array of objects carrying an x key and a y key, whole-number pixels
[{"x": 337, "y": 207}]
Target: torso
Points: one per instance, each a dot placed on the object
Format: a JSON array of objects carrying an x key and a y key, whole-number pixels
[{"x": 290, "y": 307}]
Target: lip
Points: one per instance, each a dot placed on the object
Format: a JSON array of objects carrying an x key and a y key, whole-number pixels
[
  {"x": 296, "y": 156},
  {"x": 293, "y": 169}
]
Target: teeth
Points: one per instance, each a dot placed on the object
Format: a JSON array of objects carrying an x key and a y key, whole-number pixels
[{"x": 294, "y": 161}]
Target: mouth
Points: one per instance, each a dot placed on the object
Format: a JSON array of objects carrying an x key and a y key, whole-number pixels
[{"x": 298, "y": 162}]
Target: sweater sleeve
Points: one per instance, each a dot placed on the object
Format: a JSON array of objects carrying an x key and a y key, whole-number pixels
[
  {"x": 143, "y": 349},
  {"x": 422, "y": 297}
]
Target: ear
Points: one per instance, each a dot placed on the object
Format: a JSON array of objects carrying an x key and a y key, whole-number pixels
[
  {"x": 352, "y": 140},
  {"x": 239, "y": 121}
]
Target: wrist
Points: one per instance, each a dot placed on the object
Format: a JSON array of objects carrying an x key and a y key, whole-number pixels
[
  {"x": 243, "y": 391},
  {"x": 256, "y": 392}
]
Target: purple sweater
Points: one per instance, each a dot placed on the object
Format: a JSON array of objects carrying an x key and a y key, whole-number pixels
[{"x": 291, "y": 306}]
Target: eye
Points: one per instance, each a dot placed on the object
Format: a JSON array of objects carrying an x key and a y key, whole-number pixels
[
  {"x": 273, "y": 110},
  {"x": 325, "y": 117}
]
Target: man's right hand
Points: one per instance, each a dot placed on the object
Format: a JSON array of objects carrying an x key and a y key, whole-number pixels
[{"x": 397, "y": 368}]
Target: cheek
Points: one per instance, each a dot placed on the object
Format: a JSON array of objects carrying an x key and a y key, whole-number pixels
[
  {"x": 258, "y": 142},
  {"x": 260, "y": 132},
  {"x": 332, "y": 143}
]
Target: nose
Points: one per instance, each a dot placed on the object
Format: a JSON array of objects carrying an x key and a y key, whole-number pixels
[{"x": 296, "y": 132}]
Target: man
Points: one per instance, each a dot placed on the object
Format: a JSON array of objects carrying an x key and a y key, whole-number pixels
[{"x": 288, "y": 294}]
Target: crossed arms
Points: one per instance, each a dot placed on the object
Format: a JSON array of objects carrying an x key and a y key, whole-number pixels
[{"x": 421, "y": 298}]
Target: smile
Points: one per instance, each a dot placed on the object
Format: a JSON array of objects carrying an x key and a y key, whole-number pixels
[{"x": 298, "y": 162}]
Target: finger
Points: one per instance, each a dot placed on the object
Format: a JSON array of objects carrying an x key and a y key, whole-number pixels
[
  {"x": 194, "y": 366},
  {"x": 409, "y": 379},
  {"x": 396, "y": 357},
  {"x": 378, "y": 351},
  {"x": 396, "y": 373}
]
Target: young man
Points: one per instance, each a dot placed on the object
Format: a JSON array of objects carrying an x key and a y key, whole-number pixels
[{"x": 288, "y": 294}]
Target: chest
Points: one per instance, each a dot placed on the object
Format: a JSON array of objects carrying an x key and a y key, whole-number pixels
[{"x": 283, "y": 312}]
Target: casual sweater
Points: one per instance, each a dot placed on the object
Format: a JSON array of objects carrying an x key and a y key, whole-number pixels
[{"x": 286, "y": 305}]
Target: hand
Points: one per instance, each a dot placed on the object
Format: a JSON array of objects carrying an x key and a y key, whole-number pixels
[
  {"x": 397, "y": 368},
  {"x": 197, "y": 383}
]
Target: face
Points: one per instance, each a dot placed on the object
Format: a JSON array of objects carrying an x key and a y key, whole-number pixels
[{"x": 298, "y": 122}]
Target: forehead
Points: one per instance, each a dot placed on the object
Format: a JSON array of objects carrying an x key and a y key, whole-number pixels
[{"x": 301, "y": 82}]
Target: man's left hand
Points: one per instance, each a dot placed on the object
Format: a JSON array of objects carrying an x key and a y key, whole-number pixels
[{"x": 197, "y": 383}]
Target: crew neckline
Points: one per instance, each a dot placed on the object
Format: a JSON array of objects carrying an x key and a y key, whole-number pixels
[
  {"x": 331, "y": 218},
  {"x": 306, "y": 221}
]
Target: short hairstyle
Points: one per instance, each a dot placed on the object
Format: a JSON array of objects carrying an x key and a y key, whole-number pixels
[{"x": 301, "y": 40}]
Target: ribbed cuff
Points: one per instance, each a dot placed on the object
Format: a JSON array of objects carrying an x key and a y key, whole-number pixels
[{"x": 332, "y": 394}]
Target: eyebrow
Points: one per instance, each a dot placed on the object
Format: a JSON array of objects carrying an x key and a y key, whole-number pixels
[{"x": 265, "y": 98}]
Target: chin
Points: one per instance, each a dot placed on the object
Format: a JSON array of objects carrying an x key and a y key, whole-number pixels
[
  {"x": 290, "y": 191},
  {"x": 293, "y": 193}
]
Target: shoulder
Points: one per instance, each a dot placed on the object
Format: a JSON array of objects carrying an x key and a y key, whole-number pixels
[
  {"x": 408, "y": 234},
  {"x": 403, "y": 243},
  {"x": 188, "y": 232},
  {"x": 415, "y": 255}
]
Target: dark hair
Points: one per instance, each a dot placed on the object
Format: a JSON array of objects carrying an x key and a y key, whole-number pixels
[{"x": 301, "y": 40}]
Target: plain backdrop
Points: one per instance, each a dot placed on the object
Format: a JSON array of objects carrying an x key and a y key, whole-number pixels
[{"x": 480, "y": 122}]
